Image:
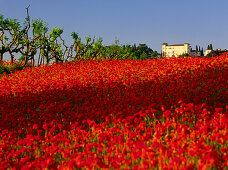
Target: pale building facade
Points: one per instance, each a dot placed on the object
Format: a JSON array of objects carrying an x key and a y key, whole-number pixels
[
  {"x": 175, "y": 50},
  {"x": 194, "y": 53},
  {"x": 207, "y": 52}
]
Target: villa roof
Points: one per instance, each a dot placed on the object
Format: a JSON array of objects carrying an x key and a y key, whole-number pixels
[{"x": 176, "y": 44}]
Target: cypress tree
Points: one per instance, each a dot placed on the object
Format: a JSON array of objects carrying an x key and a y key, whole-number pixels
[
  {"x": 196, "y": 48},
  {"x": 134, "y": 47},
  {"x": 201, "y": 53},
  {"x": 211, "y": 48}
]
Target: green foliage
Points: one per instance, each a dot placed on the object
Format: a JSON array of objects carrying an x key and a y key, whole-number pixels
[
  {"x": 1, "y": 68},
  {"x": 74, "y": 36},
  {"x": 88, "y": 39},
  {"x": 39, "y": 27},
  {"x": 215, "y": 53},
  {"x": 14, "y": 25},
  {"x": 1, "y": 18},
  {"x": 154, "y": 54},
  {"x": 55, "y": 33},
  {"x": 143, "y": 56},
  {"x": 4, "y": 23},
  {"x": 21, "y": 58},
  {"x": 6, "y": 68},
  {"x": 50, "y": 45},
  {"x": 184, "y": 55}
]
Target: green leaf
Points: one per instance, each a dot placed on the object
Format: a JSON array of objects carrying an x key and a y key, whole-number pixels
[
  {"x": 39, "y": 26},
  {"x": 74, "y": 35}
]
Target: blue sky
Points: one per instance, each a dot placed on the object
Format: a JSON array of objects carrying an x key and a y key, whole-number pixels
[{"x": 153, "y": 22}]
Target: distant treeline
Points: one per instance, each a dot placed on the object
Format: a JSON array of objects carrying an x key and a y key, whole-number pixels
[{"x": 33, "y": 39}]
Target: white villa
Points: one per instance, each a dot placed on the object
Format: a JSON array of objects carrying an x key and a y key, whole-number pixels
[
  {"x": 175, "y": 50},
  {"x": 207, "y": 52}
]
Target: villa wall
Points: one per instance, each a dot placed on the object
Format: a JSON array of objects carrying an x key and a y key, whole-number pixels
[{"x": 175, "y": 50}]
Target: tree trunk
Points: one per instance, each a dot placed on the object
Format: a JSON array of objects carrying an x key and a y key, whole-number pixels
[
  {"x": 25, "y": 60},
  {"x": 12, "y": 57},
  {"x": 33, "y": 64},
  {"x": 1, "y": 56},
  {"x": 38, "y": 61},
  {"x": 55, "y": 60}
]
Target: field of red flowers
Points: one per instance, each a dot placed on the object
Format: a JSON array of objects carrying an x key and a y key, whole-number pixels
[{"x": 120, "y": 114}]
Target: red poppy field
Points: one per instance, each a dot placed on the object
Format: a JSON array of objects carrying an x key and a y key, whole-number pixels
[{"x": 116, "y": 114}]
